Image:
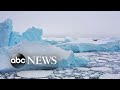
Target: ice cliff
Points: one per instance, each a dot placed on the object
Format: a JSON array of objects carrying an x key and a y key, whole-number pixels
[{"x": 5, "y": 32}]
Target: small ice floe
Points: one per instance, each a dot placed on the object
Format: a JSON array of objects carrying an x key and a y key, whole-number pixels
[
  {"x": 102, "y": 69},
  {"x": 110, "y": 76},
  {"x": 34, "y": 73}
]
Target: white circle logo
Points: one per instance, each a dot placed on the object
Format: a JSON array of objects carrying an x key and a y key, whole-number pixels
[{"x": 18, "y": 60}]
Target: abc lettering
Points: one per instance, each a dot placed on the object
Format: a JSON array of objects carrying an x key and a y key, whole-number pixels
[{"x": 17, "y": 60}]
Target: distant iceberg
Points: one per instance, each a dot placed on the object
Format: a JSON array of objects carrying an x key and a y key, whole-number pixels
[
  {"x": 77, "y": 47},
  {"x": 55, "y": 41}
]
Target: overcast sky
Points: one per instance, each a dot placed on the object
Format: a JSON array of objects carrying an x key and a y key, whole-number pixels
[{"x": 67, "y": 23}]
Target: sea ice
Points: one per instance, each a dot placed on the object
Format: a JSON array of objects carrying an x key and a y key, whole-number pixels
[
  {"x": 34, "y": 73},
  {"x": 110, "y": 76}
]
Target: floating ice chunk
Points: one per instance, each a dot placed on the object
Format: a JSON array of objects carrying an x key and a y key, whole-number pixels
[
  {"x": 68, "y": 46},
  {"x": 68, "y": 39},
  {"x": 110, "y": 76},
  {"x": 103, "y": 69},
  {"x": 82, "y": 69},
  {"x": 34, "y": 74},
  {"x": 55, "y": 41},
  {"x": 77, "y": 47},
  {"x": 72, "y": 61},
  {"x": 52, "y": 42}
]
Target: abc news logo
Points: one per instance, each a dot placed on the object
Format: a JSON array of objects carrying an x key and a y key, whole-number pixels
[{"x": 19, "y": 60}]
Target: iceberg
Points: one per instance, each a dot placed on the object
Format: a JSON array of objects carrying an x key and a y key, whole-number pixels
[
  {"x": 72, "y": 61},
  {"x": 8, "y": 37},
  {"x": 55, "y": 41},
  {"x": 68, "y": 39},
  {"x": 52, "y": 42},
  {"x": 77, "y": 47},
  {"x": 32, "y": 34},
  {"x": 30, "y": 43},
  {"x": 5, "y": 32},
  {"x": 15, "y": 38},
  {"x": 64, "y": 58}
]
